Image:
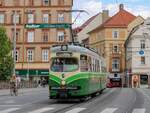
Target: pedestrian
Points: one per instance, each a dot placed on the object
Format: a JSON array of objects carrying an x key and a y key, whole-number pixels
[
  {"x": 13, "y": 86},
  {"x": 39, "y": 83},
  {"x": 18, "y": 80}
]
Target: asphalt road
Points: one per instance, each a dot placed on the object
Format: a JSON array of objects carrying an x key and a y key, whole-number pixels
[{"x": 111, "y": 101}]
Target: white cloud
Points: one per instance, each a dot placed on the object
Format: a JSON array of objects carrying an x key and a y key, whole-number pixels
[
  {"x": 95, "y": 6},
  {"x": 141, "y": 10},
  {"x": 91, "y": 6}
]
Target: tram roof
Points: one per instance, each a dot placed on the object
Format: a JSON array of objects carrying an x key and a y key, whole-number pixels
[{"x": 76, "y": 49}]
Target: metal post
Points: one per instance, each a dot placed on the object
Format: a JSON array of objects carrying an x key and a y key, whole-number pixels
[
  {"x": 14, "y": 43},
  {"x": 28, "y": 69},
  {"x": 128, "y": 75}
]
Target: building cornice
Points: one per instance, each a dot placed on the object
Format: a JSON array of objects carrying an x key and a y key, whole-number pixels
[{"x": 40, "y": 6}]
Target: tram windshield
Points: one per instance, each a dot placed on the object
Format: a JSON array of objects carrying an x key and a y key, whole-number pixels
[{"x": 64, "y": 64}]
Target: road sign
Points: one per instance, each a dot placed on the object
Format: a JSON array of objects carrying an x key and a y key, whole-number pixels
[
  {"x": 40, "y": 26},
  {"x": 141, "y": 52}
]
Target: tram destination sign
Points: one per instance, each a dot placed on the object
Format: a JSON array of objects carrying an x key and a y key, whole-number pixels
[
  {"x": 63, "y": 54},
  {"x": 40, "y": 26}
]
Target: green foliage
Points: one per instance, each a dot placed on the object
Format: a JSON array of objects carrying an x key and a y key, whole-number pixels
[{"x": 6, "y": 60}]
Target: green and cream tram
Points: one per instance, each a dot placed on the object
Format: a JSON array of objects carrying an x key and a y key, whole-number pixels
[{"x": 75, "y": 72}]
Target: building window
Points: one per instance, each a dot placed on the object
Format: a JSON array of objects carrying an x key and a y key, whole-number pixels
[
  {"x": 17, "y": 55},
  {"x": 142, "y": 44},
  {"x": 115, "y": 75},
  {"x": 2, "y": 18},
  {"x": 16, "y": 19},
  {"x": 60, "y": 36},
  {"x": 60, "y": 17},
  {"x": 115, "y": 48},
  {"x": 30, "y": 18},
  {"x": 45, "y": 18},
  {"x": 45, "y": 55},
  {"x": 30, "y": 55},
  {"x": 61, "y": 2},
  {"x": 45, "y": 36},
  {"x": 143, "y": 60},
  {"x": 46, "y": 2},
  {"x": 115, "y": 34},
  {"x": 31, "y": 2},
  {"x": 1, "y": 2},
  {"x": 16, "y": 2},
  {"x": 115, "y": 65},
  {"x": 30, "y": 37}
]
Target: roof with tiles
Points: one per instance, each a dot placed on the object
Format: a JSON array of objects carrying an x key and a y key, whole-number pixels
[{"x": 122, "y": 19}]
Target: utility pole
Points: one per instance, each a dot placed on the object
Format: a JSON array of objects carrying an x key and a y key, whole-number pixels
[{"x": 14, "y": 42}]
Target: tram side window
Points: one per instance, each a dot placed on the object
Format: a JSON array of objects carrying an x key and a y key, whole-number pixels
[
  {"x": 97, "y": 67},
  {"x": 90, "y": 64},
  {"x": 83, "y": 63},
  {"x": 103, "y": 67},
  {"x": 100, "y": 68},
  {"x": 93, "y": 65}
]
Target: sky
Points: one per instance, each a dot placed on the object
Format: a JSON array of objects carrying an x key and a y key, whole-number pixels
[{"x": 136, "y": 7}]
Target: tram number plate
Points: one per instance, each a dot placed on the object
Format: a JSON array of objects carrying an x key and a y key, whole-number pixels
[{"x": 63, "y": 94}]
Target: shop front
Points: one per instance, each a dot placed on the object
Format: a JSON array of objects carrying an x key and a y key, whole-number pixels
[{"x": 33, "y": 74}]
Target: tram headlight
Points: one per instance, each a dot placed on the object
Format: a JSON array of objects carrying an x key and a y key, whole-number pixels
[
  {"x": 64, "y": 47},
  {"x": 63, "y": 82}
]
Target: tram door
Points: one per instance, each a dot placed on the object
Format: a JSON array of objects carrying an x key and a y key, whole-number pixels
[{"x": 143, "y": 81}]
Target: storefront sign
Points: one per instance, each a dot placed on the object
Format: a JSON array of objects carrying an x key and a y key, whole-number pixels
[
  {"x": 32, "y": 72},
  {"x": 40, "y": 26}
]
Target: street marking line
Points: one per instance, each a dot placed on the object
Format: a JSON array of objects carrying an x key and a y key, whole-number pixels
[
  {"x": 75, "y": 110},
  {"x": 9, "y": 110},
  {"x": 145, "y": 94},
  {"x": 109, "y": 110},
  {"x": 9, "y": 102},
  {"x": 10, "y": 105},
  {"x": 139, "y": 110},
  {"x": 41, "y": 110}
]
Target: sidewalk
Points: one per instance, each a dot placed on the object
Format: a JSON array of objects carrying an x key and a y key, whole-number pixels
[{"x": 6, "y": 92}]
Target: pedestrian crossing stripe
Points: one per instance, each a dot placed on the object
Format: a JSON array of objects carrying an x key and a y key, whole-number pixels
[
  {"x": 9, "y": 110},
  {"x": 109, "y": 110},
  {"x": 140, "y": 110},
  {"x": 76, "y": 110},
  {"x": 42, "y": 110}
]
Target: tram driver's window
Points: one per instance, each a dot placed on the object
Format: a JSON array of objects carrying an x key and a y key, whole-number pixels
[{"x": 83, "y": 63}]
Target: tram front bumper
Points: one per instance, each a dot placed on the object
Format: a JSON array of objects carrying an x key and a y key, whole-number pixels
[{"x": 62, "y": 92}]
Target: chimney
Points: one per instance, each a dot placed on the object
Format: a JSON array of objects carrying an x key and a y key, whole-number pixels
[
  {"x": 105, "y": 15},
  {"x": 121, "y": 7}
]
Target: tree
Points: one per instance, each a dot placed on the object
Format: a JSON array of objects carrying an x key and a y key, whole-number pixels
[{"x": 6, "y": 60}]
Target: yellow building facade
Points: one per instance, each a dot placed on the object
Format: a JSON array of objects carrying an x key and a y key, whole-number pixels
[{"x": 109, "y": 38}]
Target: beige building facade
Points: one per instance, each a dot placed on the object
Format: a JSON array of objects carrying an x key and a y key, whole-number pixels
[
  {"x": 91, "y": 24},
  {"x": 40, "y": 24},
  {"x": 138, "y": 56}
]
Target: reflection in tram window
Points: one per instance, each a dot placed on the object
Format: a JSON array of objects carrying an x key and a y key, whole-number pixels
[
  {"x": 64, "y": 64},
  {"x": 83, "y": 63}
]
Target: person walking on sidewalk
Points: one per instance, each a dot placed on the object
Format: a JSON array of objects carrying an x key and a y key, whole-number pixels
[{"x": 13, "y": 86}]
